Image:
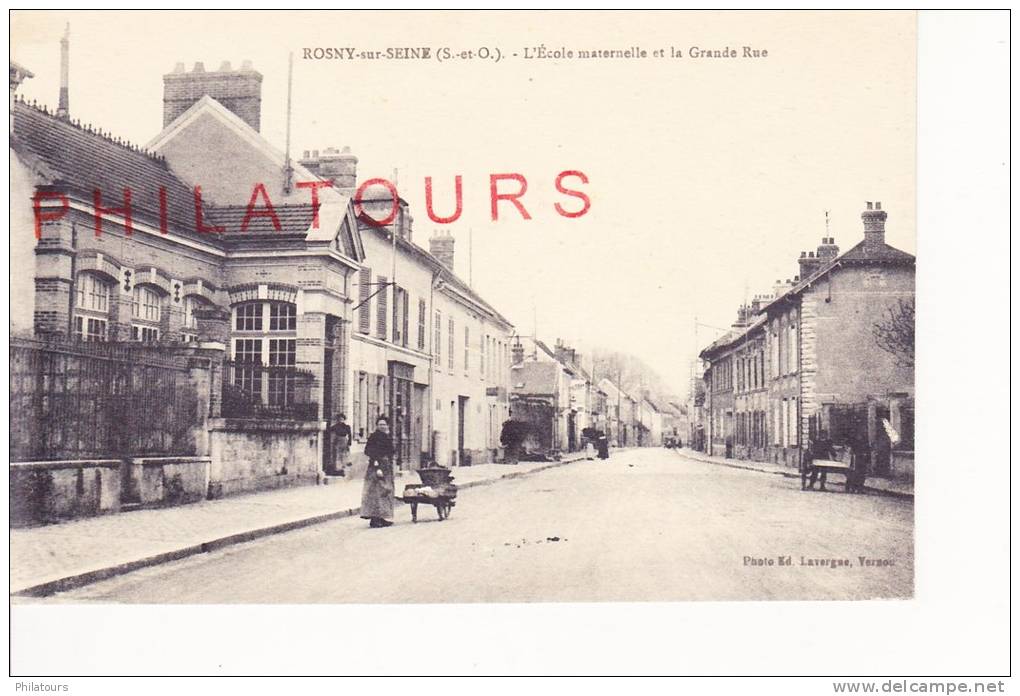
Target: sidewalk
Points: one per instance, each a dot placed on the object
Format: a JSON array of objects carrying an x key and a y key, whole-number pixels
[
  {"x": 59, "y": 557},
  {"x": 873, "y": 484}
]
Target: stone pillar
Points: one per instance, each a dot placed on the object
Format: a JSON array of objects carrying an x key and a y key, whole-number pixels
[
  {"x": 205, "y": 367},
  {"x": 213, "y": 324},
  {"x": 54, "y": 278}
]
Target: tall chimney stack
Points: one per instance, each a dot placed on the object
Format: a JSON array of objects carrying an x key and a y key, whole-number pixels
[
  {"x": 827, "y": 250},
  {"x": 808, "y": 263},
  {"x": 441, "y": 246},
  {"x": 517, "y": 352},
  {"x": 874, "y": 227},
  {"x": 63, "y": 107},
  {"x": 238, "y": 90},
  {"x": 341, "y": 166}
]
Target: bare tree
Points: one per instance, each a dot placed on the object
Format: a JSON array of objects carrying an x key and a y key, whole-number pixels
[{"x": 895, "y": 334}]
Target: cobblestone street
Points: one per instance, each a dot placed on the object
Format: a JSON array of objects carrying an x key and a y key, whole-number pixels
[{"x": 648, "y": 524}]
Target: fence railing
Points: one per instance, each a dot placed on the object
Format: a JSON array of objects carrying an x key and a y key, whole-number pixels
[
  {"x": 254, "y": 390},
  {"x": 73, "y": 400}
]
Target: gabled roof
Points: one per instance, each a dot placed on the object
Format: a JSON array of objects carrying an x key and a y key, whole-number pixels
[
  {"x": 859, "y": 255},
  {"x": 81, "y": 161},
  {"x": 534, "y": 378},
  {"x": 655, "y": 406},
  {"x": 293, "y": 219},
  {"x": 733, "y": 336},
  {"x": 616, "y": 388}
]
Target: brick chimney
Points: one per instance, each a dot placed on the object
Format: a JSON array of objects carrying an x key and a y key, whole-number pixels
[
  {"x": 827, "y": 251},
  {"x": 874, "y": 227},
  {"x": 565, "y": 353},
  {"x": 517, "y": 353},
  {"x": 63, "y": 99},
  {"x": 339, "y": 165},
  {"x": 743, "y": 312},
  {"x": 441, "y": 246},
  {"x": 238, "y": 90},
  {"x": 809, "y": 264}
]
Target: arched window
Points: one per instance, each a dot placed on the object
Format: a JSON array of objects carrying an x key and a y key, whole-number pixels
[
  {"x": 265, "y": 350},
  {"x": 91, "y": 319},
  {"x": 146, "y": 311}
]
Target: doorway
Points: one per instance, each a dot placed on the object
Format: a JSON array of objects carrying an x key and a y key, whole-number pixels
[
  {"x": 461, "y": 415},
  {"x": 328, "y": 453}
]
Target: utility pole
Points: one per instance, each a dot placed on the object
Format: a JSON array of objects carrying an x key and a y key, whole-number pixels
[{"x": 288, "y": 169}]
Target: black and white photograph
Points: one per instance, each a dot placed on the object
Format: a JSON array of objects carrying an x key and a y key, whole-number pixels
[{"x": 336, "y": 309}]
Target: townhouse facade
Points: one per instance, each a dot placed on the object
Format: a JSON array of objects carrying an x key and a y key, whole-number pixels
[
  {"x": 198, "y": 240},
  {"x": 210, "y": 239},
  {"x": 804, "y": 362}
]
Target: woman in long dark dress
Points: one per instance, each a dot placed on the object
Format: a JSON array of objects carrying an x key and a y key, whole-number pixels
[{"x": 377, "y": 494}]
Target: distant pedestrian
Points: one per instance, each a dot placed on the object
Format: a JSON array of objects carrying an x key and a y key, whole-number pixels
[
  {"x": 512, "y": 437},
  {"x": 341, "y": 442},
  {"x": 589, "y": 437},
  {"x": 603, "y": 444},
  {"x": 377, "y": 493},
  {"x": 818, "y": 448}
]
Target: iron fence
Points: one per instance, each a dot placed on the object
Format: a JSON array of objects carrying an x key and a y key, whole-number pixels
[
  {"x": 75, "y": 400},
  {"x": 254, "y": 390}
]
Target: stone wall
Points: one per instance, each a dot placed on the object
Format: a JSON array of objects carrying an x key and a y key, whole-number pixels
[
  {"x": 156, "y": 481},
  {"x": 250, "y": 455},
  {"x": 51, "y": 491}
]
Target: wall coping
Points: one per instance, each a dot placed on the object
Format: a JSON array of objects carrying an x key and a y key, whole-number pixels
[
  {"x": 67, "y": 464},
  {"x": 160, "y": 461},
  {"x": 242, "y": 425}
]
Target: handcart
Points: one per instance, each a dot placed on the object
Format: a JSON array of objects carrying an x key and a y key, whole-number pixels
[{"x": 436, "y": 488}]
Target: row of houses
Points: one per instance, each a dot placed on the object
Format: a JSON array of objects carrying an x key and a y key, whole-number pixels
[
  {"x": 209, "y": 301},
  {"x": 215, "y": 247},
  {"x": 555, "y": 390},
  {"x": 811, "y": 359}
]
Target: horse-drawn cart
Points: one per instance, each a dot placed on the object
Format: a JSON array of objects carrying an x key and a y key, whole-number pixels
[{"x": 436, "y": 489}]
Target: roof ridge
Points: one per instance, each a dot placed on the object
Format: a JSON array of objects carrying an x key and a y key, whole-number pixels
[{"x": 88, "y": 129}]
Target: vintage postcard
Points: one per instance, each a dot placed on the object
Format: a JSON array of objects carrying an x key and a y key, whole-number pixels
[
  {"x": 455, "y": 307},
  {"x": 407, "y": 308}
]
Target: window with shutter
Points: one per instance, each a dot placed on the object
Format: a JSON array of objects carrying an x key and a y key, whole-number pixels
[
  {"x": 381, "y": 307},
  {"x": 398, "y": 324},
  {"x": 437, "y": 339},
  {"x": 450, "y": 345},
  {"x": 406, "y": 311},
  {"x": 364, "y": 291},
  {"x": 793, "y": 343},
  {"x": 421, "y": 324},
  {"x": 795, "y": 423}
]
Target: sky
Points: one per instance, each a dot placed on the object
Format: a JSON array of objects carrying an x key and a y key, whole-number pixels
[{"x": 707, "y": 176}]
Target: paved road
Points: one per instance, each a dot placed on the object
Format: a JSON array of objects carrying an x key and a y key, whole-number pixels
[{"x": 645, "y": 525}]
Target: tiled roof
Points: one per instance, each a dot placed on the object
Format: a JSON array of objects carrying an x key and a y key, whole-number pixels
[
  {"x": 860, "y": 254},
  {"x": 880, "y": 253},
  {"x": 293, "y": 219},
  {"x": 84, "y": 161},
  {"x": 731, "y": 337},
  {"x": 534, "y": 378}
]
